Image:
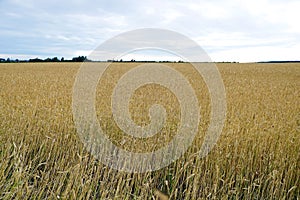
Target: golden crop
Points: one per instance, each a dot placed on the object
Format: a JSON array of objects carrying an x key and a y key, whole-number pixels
[{"x": 256, "y": 157}]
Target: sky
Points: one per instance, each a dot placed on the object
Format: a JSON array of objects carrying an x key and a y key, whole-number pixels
[{"x": 228, "y": 30}]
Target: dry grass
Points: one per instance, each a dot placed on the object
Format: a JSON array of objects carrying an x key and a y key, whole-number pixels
[{"x": 256, "y": 157}]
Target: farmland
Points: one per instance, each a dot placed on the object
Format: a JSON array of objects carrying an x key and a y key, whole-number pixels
[{"x": 256, "y": 157}]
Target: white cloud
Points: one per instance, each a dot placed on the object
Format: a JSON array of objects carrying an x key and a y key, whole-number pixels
[
  {"x": 209, "y": 9},
  {"x": 170, "y": 15},
  {"x": 19, "y": 56},
  {"x": 255, "y": 54},
  {"x": 223, "y": 28}
]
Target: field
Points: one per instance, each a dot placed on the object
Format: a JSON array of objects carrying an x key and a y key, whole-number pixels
[{"x": 256, "y": 157}]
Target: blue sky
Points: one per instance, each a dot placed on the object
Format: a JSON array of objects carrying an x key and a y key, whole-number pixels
[{"x": 228, "y": 30}]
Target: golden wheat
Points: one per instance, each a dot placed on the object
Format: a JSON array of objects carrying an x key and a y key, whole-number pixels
[{"x": 256, "y": 157}]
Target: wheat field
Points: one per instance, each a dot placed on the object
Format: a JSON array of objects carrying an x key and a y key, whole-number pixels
[{"x": 256, "y": 157}]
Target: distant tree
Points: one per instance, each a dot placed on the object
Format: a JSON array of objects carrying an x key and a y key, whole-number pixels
[
  {"x": 55, "y": 59},
  {"x": 79, "y": 59},
  {"x": 35, "y": 60},
  {"x": 8, "y": 60},
  {"x": 62, "y": 59}
]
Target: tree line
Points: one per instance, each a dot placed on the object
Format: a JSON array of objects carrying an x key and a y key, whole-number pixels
[
  {"x": 54, "y": 59},
  {"x": 74, "y": 59}
]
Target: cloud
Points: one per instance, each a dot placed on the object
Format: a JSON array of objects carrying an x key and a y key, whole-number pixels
[
  {"x": 64, "y": 28},
  {"x": 255, "y": 54}
]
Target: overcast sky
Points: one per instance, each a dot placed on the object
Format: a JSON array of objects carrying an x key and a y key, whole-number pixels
[{"x": 233, "y": 30}]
